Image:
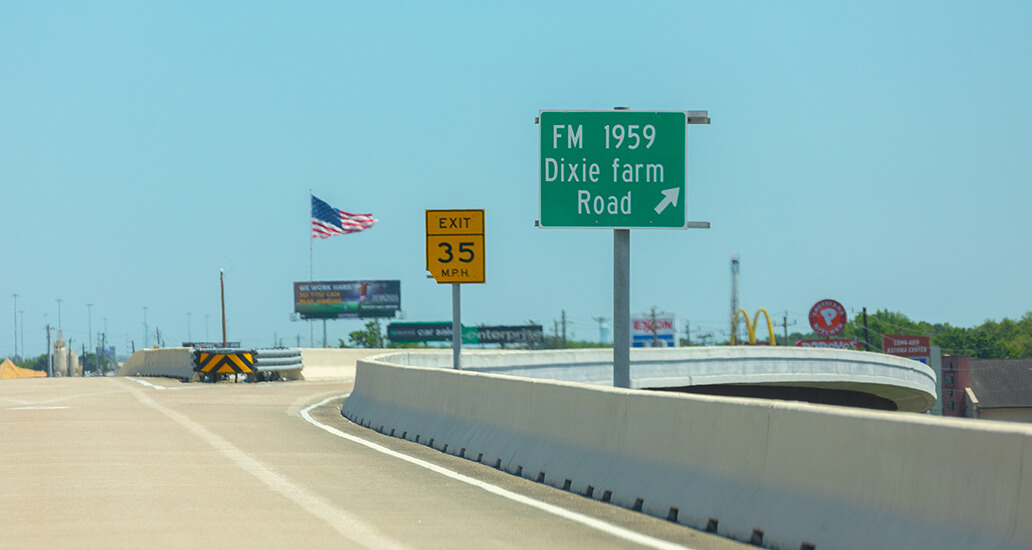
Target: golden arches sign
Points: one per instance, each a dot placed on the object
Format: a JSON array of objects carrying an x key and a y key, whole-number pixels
[{"x": 752, "y": 326}]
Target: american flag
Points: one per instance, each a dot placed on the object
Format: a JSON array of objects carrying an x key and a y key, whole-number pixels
[{"x": 327, "y": 221}]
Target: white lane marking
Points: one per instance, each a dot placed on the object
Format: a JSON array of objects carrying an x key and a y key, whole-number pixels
[
  {"x": 345, "y": 524},
  {"x": 35, "y": 408},
  {"x": 149, "y": 385},
  {"x": 608, "y": 528}
]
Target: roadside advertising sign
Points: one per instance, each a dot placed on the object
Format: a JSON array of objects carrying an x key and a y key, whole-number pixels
[
  {"x": 347, "y": 299},
  {"x": 648, "y": 332},
  {"x": 835, "y": 343},
  {"x": 828, "y": 317},
  {"x": 906, "y": 346},
  {"x": 442, "y": 332}
]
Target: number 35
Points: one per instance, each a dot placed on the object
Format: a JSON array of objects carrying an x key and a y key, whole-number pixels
[{"x": 464, "y": 249}]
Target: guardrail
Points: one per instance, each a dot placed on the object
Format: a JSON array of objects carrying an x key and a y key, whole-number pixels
[{"x": 779, "y": 474}]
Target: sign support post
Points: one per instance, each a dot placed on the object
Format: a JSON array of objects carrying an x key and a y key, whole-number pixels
[
  {"x": 456, "y": 327},
  {"x": 621, "y": 308}
]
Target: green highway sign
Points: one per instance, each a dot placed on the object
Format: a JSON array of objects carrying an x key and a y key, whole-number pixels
[{"x": 613, "y": 169}]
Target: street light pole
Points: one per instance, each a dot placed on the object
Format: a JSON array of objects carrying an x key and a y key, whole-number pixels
[
  {"x": 89, "y": 320},
  {"x": 16, "y": 326},
  {"x": 222, "y": 294}
]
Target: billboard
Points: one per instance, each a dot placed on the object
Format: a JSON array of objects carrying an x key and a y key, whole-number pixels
[
  {"x": 347, "y": 299},
  {"x": 442, "y": 332},
  {"x": 654, "y": 331},
  {"x": 905, "y": 346}
]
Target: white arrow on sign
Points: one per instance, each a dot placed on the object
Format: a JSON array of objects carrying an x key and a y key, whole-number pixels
[{"x": 669, "y": 197}]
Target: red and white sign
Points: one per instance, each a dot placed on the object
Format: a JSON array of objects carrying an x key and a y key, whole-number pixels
[
  {"x": 906, "y": 346},
  {"x": 828, "y": 317},
  {"x": 835, "y": 343}
]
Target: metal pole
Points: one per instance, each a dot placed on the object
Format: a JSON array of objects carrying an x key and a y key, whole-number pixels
[
  {"x": 622, "y": 308},
  {"x": 50, "y": 359},
  {"x": 456, "y": 327},
  {"x": 324, "y": 333},
  {"x": 16, "y": 327},
  {"x": 145, "y": 329},
  {"x": 89, "y": 317},
  {"x": 222, "y": 293},
  {"x": 311, "y": 270}
]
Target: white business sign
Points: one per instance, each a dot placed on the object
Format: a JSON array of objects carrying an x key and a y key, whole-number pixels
[{"x": 659, "y": 331}]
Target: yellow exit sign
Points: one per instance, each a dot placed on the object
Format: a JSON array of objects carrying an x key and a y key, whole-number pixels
[{"x": 455, "y": 245}]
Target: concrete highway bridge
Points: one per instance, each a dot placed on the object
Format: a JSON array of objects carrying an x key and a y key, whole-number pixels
[{"x": 519, "y": 449}]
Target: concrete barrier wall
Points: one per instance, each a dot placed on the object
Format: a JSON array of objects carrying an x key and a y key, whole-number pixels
[
  {"x": 170, "y": 362},
  {"x": 828, "y": 476},
  {"x": 333, "y": 363}
]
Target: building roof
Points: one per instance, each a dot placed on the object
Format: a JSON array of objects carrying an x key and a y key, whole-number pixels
[{"x": 999, "y": 383}]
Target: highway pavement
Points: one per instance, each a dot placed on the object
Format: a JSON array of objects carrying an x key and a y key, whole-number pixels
[{"x": 155, "y": 463}]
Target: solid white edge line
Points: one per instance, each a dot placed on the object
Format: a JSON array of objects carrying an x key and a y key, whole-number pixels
[
  {"x": 350, "y": 527},
  {"x": 608, "y": 528}
]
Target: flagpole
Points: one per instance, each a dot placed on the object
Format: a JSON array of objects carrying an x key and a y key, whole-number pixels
[{"x": 311, "y": 267}]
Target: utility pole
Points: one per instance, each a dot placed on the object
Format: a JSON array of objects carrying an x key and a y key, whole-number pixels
[
  {"x": 563, "y": 328},
  {"x": 785, "y": 324},
  {"x": 655, "y": 333},
  {"x": 601, "y": 333},
  {"x": 103, "y": 346},
  {"x": 189, "y": 338},
  {"x": 688, "y": 333},
  {"x": 145, "y": 329},
  {"x": 59, "y": 313},
  {"x": 50, "y": 359},
  {"x": 89, "y": 317},
  {"x": 16, "y": 327},
  {"x": 222, "y": 293},
  {"x": 867, "y": 333},
  {"x": 734, "y": 296}
]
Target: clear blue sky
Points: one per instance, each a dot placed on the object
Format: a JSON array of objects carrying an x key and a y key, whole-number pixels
[{"x": 876, "y": 153}]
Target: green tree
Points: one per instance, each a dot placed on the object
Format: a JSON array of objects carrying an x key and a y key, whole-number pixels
[
  {"x": 368, "y": 337},
  {"x": 34, "y": 363}
]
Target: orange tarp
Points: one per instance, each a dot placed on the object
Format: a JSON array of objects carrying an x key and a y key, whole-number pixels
[{"x": 9, "y": 370}]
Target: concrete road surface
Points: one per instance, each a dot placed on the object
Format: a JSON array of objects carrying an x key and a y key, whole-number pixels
[{"x": 133, "y": 463}]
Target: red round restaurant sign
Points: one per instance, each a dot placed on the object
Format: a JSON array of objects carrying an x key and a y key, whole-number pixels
[{"x": 828, "y": 317}]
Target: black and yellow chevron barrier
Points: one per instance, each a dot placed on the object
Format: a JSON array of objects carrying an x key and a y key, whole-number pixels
[{"x": 224, "y": 361}]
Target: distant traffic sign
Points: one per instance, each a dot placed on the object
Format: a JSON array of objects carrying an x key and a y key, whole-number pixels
[
  {"x": 828, "y": 317},
  {"x": 455, "y": 245},
  {"x": 613, "y": 169}
]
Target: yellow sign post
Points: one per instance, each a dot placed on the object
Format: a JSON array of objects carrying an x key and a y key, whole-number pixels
[{"x": 455, "y": 245}]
